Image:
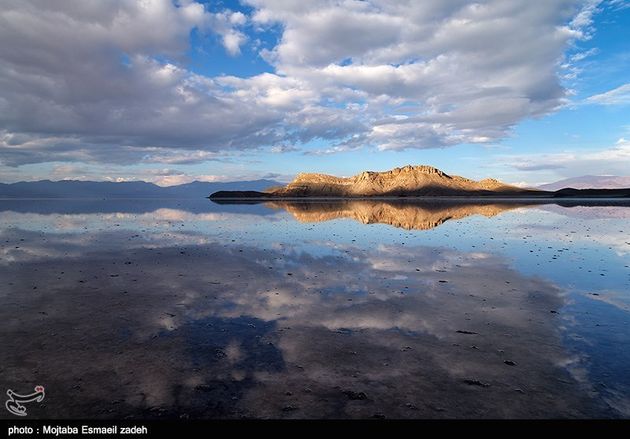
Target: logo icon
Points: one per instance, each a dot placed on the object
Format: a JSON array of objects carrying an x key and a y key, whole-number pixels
[{"x": 15, "y": 401}]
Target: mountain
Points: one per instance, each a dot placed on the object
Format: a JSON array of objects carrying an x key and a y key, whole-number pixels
[
  {"x": 408, "y": 180},
  {"x": 589, "y": 182},
  {"x": 405, "y": 181},
  {"x": 131, "y": 189}
]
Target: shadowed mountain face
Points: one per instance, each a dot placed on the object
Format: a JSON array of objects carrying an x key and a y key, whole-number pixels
[{"x": 406, "y": 215}]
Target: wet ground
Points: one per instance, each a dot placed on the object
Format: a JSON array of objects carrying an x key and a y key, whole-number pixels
[{"x": 190, "y": 309}]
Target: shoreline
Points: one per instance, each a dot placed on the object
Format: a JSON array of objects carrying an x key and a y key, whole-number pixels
[{"x": 425, "y": 198}]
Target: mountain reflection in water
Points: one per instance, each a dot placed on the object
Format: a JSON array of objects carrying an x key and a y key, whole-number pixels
[
  {"x": 172, "y": 313},
  {"x": 402, "y": 214}
]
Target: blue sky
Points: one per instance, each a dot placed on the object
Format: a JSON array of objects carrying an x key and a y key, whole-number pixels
[{"x": 231, "y": 90}]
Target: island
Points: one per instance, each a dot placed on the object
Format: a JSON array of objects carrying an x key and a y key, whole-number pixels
[{"x": 407, "y": 181}]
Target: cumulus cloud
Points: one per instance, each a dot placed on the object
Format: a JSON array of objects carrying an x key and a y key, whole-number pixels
[
  {"x": 107, "y": 82},
  {"x": 89, "y": 82},
  {"x": 470, "y": 71},
  {"x": 226, "y": 24}
]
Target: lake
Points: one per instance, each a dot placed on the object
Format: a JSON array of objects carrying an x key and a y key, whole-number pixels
[{"x": 354, "y": 309}]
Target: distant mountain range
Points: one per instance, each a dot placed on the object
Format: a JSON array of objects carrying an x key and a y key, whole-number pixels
[
  {"x": 408, "y": 181},
  {"x": 131, "y": 189},
  {"x": 589, "y": 182}
]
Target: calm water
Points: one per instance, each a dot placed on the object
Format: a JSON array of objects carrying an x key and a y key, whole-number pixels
[{"x": 158, "y": 308}]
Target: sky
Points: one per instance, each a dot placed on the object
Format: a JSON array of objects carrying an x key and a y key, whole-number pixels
[{"x": 171, "y": 91}]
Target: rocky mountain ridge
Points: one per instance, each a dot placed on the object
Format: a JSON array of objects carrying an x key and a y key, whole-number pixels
[{"x": 405, "y": 181}]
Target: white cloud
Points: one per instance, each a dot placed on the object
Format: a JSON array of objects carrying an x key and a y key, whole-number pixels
[
  {"x": 82, "y": 83},
  {"x": 226, "y": 24},
  {"x": 171, "y": 180},
  {"x": 278, "y": 149},
  {"x": 619, "y": 4},
  {"x": 159, "y": 176},
  {"x": 96, "y": 81},
  {"x": 616, "y": 96},
  {"x": 441, "y": 57},
  {"x": 614, "y": 160}
]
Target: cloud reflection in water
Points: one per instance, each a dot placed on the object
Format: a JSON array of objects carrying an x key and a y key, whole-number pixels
[{"x": 191, "y": 323}]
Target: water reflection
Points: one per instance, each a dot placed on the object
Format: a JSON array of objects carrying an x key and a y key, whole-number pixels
[
  {"x": 162, "y": 317},
  {"x": 402, "y": 214}
]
